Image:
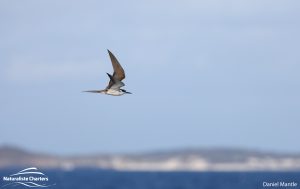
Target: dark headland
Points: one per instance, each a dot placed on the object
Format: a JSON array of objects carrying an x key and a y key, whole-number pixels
[{"x": 202, "y": 159}]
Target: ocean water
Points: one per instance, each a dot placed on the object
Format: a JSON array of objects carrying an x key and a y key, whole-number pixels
[{"x": 98, "y": 179}]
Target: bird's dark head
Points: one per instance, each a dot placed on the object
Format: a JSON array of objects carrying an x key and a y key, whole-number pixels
[{"x": 126, "y": 92}]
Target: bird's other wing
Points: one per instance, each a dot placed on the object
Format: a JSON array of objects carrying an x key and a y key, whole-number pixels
[
  {"x": 94, "y": 91},
  {"x": 114, "y": 83}
]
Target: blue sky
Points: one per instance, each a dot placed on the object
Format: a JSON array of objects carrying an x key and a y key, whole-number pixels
[{"x": 202, "y": 73}]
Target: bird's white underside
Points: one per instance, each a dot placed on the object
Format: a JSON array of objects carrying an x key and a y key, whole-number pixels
[{"x": 114, "y": 92}]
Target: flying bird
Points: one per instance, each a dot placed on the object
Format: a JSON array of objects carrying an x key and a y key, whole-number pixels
[{"x": 115, "y": 82}]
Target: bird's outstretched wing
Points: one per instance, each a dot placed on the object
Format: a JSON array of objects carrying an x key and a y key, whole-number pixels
[{"x": 119, "y": 73}]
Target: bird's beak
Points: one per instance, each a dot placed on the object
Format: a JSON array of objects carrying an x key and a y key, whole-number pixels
[{"x": 128, "y": 92}]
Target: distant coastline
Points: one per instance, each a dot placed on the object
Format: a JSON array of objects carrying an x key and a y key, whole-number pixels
[{"x": 202, "y": 159}]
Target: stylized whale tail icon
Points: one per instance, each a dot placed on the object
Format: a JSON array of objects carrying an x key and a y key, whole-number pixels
[{"x": 31, "y": 170}]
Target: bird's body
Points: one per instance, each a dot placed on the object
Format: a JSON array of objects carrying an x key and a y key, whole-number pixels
[
  {"x": 115, "y": 82},
  {"x": 114, "y": 92}
]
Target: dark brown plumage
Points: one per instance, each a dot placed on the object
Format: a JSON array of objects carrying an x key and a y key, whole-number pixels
[
  {"x": 119, "y": 73},
  {"x": 115, "y": 82}
]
